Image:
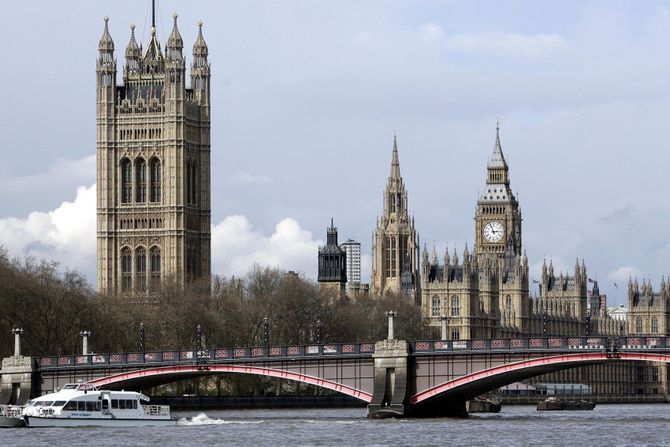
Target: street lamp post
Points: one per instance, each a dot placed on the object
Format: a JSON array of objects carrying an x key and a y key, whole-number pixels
[
  {"x": 198, "y": 339},
  {"x": 18, "y": 332},
  {"x": 391, "y": 314},
  {"x": 84, "y": 341},
  {"x": 445, "y": 322},
  {"x": 141, "y": 345},
  {"x": 266, "y": 333},
  {"x": 319, "y": 333}
]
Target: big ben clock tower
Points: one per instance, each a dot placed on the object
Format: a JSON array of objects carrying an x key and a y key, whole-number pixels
[{"x": 498, "y": 218}]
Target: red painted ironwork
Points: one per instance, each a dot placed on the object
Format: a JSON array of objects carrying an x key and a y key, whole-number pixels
[
  {"x": 497, "y": 344},
  {"x": 422, "y": 346},
  {"x": 257, "y": 352},
  {"x": 64, "y": 361},
  {"x": 478, "y": 344},
  {"x": 134, "y": 357},
  {"x": 348, "y": 349},
  {"x": 275, "y": 351},
  {"x": 221, "y": 353},
  {"x": 82, "y": 360},
  {"x": 293, "y": 350},
  {"x": 536, "y": 343},
  {"x": 168, "y": 356},
  {"x": 367, "y": 347},
  {"x": 115, "y": 358},
  {"x": 240, "y": 369},
  {"x": 240, "y": 352},
  {"x": 555, "y": 342},
  {"x": 559, "y": 361},
  {"x": 516, "y": 343}
]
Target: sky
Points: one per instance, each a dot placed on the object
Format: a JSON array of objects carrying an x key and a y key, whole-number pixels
[{"x": 306, "y": 97}]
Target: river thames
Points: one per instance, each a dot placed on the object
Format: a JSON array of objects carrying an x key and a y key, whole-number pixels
[{"x": 611, "y": 425}]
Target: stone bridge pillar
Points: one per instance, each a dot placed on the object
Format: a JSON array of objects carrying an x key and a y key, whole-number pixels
[
  {"x": 391, "y": 379},
  {"x": 17, "y": 380}
]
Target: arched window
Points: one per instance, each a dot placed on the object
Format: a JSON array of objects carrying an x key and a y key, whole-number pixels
[
  {"x": 455, "y": 306},
  {"x": 638, "y": 325},
  {"x": 155, "y": 180},
  {"x": 187, "y": 183},
  {"x": 141, "y": 269},
  {"x": 436, "y": 306},
  {"x": 155, "y": 266},
  {"x": 126, "y": 181},
  {"x": 141, "y": 181},
  {"x": 508, "y": 302},
  {"x": 194, "y": 185},
  {"x": 654, "y": 325},
  {"x": 126, "y": 269}
]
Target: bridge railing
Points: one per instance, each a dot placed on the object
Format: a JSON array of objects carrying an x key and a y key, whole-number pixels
[
  {"x": 205, "y": 356},
  {"x": 542, "y": 343}
]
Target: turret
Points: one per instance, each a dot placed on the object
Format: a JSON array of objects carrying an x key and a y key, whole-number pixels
[
  {"x": 200, "y": 70},
  {"x": 133, "y": 55}
]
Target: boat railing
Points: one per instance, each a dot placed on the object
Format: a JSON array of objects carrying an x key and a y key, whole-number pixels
[
  {"x": 11, "y": 411},
  {"x": 156, "y": 410}
]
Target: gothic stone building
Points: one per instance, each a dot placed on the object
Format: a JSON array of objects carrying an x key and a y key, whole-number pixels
[
  {"x": 153, "y": 164},
  {"x": 395, "y": 245}
]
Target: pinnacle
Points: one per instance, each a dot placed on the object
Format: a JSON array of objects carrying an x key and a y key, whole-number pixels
[
  {"x": 497, "y": 159},
  {"x": 395, "y": 164}
]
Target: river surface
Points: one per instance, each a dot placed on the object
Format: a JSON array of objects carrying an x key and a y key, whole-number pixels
[{"x": 607, "y": 425}]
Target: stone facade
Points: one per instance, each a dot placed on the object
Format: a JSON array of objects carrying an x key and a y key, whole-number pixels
[
  {"x": 153, "y": 165},
  {"x": 395, "y": 251},
  {"x": 332, "y": 263}
]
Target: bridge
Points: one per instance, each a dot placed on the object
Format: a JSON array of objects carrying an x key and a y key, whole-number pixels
[{"x": 397, "y": 378}]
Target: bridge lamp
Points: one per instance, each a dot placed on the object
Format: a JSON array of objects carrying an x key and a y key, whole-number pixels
[
  {"x": 391, "y": 314},
  {"x": 198, "y": 338},
  {"x": 266, "y": 332},
  {"x": 18, "y": 332},
  {"x": 84, "y": 341},
  {"x": 319, "y": 334},
  {"x": 445, "y": 323},
  {"x": 142, "y": 339}
]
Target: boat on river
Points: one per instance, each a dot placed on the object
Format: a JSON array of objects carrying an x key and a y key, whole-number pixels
[
  {"x": 557, "y": 404},
  {"x": 85, "y": 405},
  {"x": 10, "y": 416}
]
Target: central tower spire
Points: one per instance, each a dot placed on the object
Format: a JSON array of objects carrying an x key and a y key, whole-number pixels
[{"x": 395, "y": 251}]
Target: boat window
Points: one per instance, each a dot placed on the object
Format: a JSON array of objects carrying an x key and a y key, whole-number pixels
[
  {"x": 90, "y": 405},
  {"x": 58, "y": 403},
  {"x": 115, "y": 404},
  {"x": 122, "y": 404},
  {"x": 46, "y": 403},
  {"x": 70, "y": 386},
  {"x": 30, "y": 403},
  {"x": 71, "y": 406},
  {"x": 105, "y": 404},
  {"x": 81, "y": 405},
  {"x": 98, "y": 405}
]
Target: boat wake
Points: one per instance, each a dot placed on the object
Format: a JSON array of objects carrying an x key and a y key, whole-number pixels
[{"x": 203, "y": 419}]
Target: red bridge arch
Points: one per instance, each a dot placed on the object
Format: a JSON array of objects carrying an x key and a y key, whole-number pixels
[
  {"x": 153, "y": 376},
  {"x": 471, "y": 385}
]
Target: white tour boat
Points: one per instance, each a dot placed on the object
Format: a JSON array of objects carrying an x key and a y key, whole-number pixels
[{"x": 79, "y": 405}]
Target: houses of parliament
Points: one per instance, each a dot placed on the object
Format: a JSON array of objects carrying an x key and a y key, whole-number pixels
[{"x": 153, "y": 164}]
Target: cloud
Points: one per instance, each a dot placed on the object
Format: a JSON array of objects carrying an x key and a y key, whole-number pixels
[
  {"x": 512, "y": 43},
  {"x": 623, "y": 273},
  {"x": 237, "y": 246},
  {"x": 431, "y": 32},
  {"x": 246, "y": 178},
  {"x": 65, "y": 234}
]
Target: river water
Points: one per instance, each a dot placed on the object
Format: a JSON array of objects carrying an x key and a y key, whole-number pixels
[{"x": 609, "y": 425}]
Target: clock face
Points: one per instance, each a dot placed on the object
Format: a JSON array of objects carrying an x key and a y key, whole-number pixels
[{"x": 493, "y": 231}]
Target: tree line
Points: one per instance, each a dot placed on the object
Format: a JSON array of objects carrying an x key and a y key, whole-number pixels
[{"x": 54, "y": 306}]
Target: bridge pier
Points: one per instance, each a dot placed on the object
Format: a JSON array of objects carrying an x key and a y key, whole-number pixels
[
  {"x": 16, "y": 382},
  {"x": 389, "y": 398}
]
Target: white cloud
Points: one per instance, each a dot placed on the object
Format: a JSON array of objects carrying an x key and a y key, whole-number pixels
[
  {"x": 246, "y": 178},
  {"x": 66, "y": 234},
  {"x": 430, "y": 32},
  {"x": 623, "y": 273},
  {"x": 511, "y": 43},
  {"x": 237, "y": 246}
]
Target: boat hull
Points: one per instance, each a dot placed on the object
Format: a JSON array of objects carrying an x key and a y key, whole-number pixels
[
  {"x": 36, "y": 421},
  {"x": 6, "y": 422},
  {"x": 560, "y": 405}
]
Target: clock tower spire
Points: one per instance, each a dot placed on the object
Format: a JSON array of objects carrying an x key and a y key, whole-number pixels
[{"x": 498, "y": 217}]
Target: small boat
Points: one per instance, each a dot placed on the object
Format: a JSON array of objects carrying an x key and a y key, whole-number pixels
[
  {"x": 10, "y": 416},
  {"x": 85, "y": 405},
  {"x": 483, "y": 404},
  {"x": 557, "y": 404}
]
